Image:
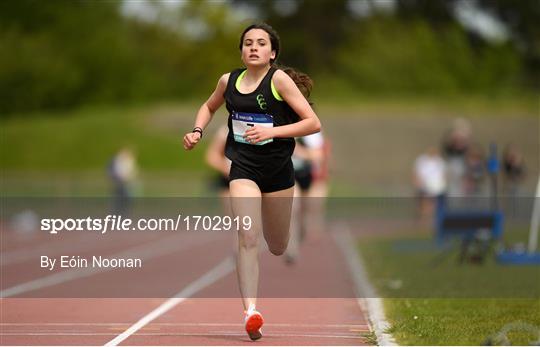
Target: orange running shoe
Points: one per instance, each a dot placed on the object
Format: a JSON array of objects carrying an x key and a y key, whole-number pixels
[{"x": 253, "y": 323}]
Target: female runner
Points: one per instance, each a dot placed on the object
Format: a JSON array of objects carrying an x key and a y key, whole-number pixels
[{"x": 266, "y": 112}]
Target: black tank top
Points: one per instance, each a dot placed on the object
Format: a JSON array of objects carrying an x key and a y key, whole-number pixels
[{"x": 260, "y": 101}]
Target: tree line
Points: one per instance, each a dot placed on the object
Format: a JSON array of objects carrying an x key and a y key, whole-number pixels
[{"x": 64, "y": 53}]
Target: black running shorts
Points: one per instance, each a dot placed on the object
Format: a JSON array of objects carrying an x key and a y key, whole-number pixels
[
  {"x": 269, "y": 177},
  {"x": 304, "y": 177}
]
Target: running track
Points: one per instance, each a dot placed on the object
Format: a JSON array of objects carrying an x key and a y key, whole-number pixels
[{"x": 186, "y": 294}]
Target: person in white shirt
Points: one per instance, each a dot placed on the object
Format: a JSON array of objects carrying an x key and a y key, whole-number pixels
[
  {"x": 123, "y": 172},
  {"x": 429, "y": 179}
]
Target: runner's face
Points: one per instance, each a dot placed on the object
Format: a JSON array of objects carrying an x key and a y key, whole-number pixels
[{"x": 256, "y": 48}]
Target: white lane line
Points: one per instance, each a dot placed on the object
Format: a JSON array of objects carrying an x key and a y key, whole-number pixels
[
  {"x": 218, "y": 272},
  {"x": 145, "y": 252},
  {"x": 366, "y": 295}
]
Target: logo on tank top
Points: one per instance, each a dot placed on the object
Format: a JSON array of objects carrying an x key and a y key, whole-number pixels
[{"x": 261, "y": 101}]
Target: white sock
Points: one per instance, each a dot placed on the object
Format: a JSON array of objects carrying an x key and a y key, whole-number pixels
[{"x": 251, "y": 308}]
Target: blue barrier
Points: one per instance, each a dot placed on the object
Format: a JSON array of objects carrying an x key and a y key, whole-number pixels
[
  {"x": 465, "y": 224},
  {"x": 518, "y": 258}
]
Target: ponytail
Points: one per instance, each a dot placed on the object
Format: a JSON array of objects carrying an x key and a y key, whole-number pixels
[{"x": 302, "y": 80}]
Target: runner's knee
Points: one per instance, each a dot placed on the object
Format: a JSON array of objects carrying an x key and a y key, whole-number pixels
[{"x": 248, "y": 239}]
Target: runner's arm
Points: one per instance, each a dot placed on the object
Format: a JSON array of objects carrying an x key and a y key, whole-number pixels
[{"x": 206, "y": 112}]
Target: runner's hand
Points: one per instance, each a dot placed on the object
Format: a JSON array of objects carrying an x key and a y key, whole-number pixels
[
  {"x": 257, "y": 134},
  {"x": 191, "y": 139}
]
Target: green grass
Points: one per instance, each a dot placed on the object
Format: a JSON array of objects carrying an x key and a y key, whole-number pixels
[
  {"x": 434, "y": 300},
  {"x": 67, "y": 153},
  {"x": 87, "y": 139},
  {"x": 370, "y": 338},
  {"x": 462, "y": 321},
  {"x": 484, "y": 106}
]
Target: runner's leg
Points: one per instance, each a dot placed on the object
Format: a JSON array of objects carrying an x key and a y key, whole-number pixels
[
  {"x": 276, "y": 219},
  {"x": 246, "y": 201}
]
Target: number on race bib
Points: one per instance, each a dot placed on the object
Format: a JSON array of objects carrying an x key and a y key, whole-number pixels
[{"x": 241, "y": 122}]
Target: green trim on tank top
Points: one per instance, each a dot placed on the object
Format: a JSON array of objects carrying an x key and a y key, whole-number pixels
[
  {"x": 275, "y": 93},
  {"x": 237, "y": 84}
]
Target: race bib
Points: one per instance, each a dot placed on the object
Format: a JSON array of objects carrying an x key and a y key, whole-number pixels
[{"x": 241, "y": 122}]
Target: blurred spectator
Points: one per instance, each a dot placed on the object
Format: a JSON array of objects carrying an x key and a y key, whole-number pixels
[
  {"x": 455, "y": 145},
  {"x": 513, "y": 170},
  {"x": 308, "y": 211},
  {"x": 216, "y": 159},
  {"x": 429, "y": 178},
  {"x": 318, "y": 191},
  {"x": 123, "y": 173},
  {"x": 457, "y": 140},
  {"x": 475, "y": 170}
]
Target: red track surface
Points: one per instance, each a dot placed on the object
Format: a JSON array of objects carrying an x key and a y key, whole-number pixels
[{"x": 310, "y": 303}]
